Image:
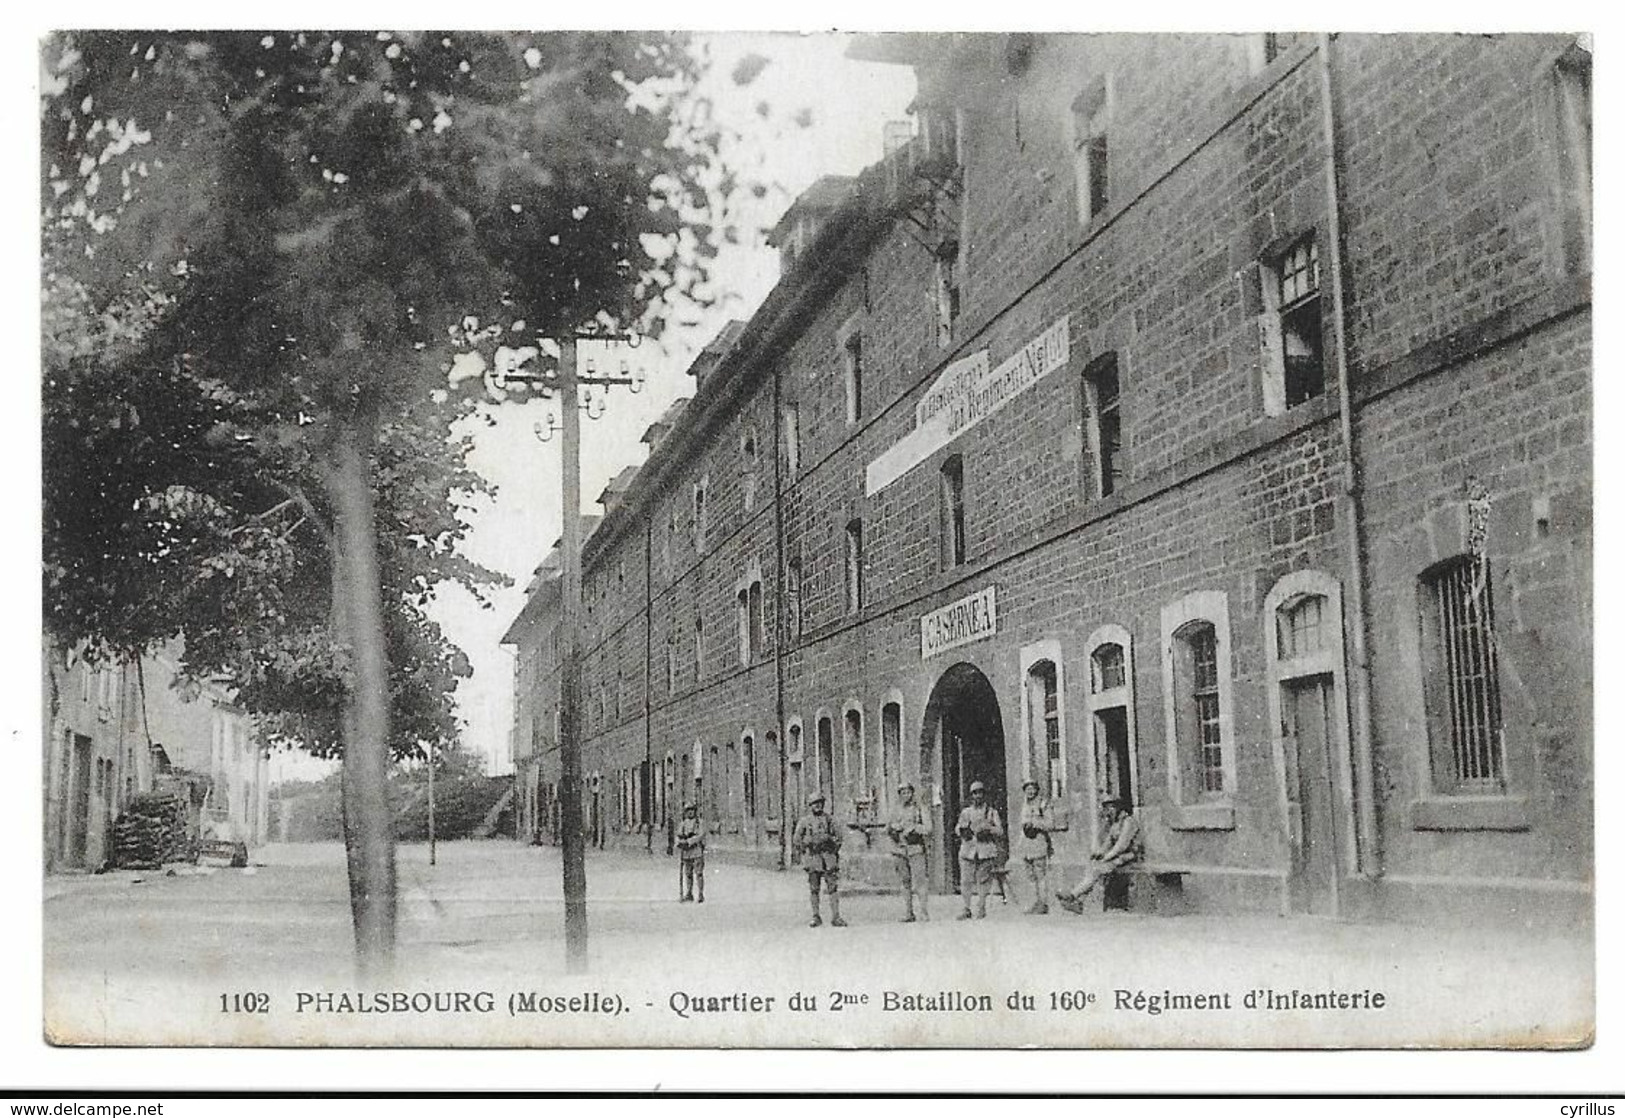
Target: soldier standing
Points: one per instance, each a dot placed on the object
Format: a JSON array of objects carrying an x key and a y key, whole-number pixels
[
  {"x": 820, "y": 845},
  {"x": 1035, "y": 846},
  {"x": 691, "y": 848},
  {"x": 909, "y": 830},
  {"x": 979, "y": 830}
]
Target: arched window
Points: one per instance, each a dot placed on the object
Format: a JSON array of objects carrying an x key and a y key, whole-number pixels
[
  {"x": 826, "y": 759},
  {"x": 1111, "y": 715},
  {"x": 854, "y": 566},
  {"x": 1199, "y": 710},
  {"x": 1045, "y": 762},
  {"x": 748, "y": 775},
  {"x": 854, "y": 760},
  {"x": 891, "y": 748},
  {"x": 749, "y": 456}
]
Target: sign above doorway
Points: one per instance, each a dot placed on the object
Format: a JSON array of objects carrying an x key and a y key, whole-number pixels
[{"x": 972, "y": 618}]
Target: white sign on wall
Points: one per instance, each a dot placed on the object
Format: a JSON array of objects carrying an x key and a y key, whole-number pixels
[
  {"x": 967, "y": 393},
  {"x": 972, "y": 618}
]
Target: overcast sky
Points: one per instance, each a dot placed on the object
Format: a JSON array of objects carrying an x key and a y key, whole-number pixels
[{"x": 844, "y": 105}]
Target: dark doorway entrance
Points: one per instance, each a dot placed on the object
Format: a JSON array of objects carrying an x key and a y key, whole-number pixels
[
  {"x": 1306, "y": 732},
  {"x": 79, "y": 801},
  {"x": 1116, "y": 769},
  {"x": 962, "y": 739}
]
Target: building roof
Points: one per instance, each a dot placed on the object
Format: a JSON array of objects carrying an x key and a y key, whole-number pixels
[
  {"x": 544, "y": 588},
  {"x": 823, "y": 197}
]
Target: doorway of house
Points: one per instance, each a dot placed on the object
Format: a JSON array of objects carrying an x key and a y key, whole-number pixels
[
  {"x": 962, "y": 738},
  {"x": 1306, "y": 739}
]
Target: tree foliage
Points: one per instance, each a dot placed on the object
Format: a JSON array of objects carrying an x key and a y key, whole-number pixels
[{"x": 251, "y": 237}]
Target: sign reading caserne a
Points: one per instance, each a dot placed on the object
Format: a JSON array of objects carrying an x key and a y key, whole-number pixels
[
  {"x": 971, "y": 618},
  {"x": 967, "y": 393}
]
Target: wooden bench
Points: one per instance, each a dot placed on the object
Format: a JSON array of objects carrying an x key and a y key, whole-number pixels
[{"x": 1145, "y": 887}]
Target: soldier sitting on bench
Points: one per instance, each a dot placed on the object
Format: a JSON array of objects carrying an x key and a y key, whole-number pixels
[{"x": 1120, "y": 846}]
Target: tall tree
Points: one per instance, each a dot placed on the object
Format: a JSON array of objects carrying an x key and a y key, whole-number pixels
[{"x": 299, "y": 226}]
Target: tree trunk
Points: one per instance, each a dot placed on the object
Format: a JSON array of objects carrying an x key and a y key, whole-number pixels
[{"x": 369, "y": 838}]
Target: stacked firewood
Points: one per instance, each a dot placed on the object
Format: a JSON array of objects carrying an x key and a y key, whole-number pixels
[{"x": 151, "y": 831}]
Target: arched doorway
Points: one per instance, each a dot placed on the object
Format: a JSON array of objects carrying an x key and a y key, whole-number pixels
[{"x": 961, "y": 740}]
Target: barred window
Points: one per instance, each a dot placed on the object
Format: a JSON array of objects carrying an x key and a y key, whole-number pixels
[{"x": 1463, "y": 686}]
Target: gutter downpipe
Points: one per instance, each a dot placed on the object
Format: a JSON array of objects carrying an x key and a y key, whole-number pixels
[
  {"x": 781, "y": 624},
  {"x": 646, "y": 794},
  {"x": 1368, "y": 849}
]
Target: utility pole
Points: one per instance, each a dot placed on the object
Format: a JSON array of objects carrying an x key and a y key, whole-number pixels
[
  {"x": 431, "y": 803},
  {"x": 515, "y": 376},
  {"x": 574, "y": 853}
]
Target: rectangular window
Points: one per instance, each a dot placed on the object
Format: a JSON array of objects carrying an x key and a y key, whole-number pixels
[
  {"x": 1463, "y": 686},
  {"x": 953, "y": 511},
  {"x": 1102, "y": 391},
  {"x": 1291, "y": 328},
  {"x": 792, "y": 595},
  {"x": 792, "y": 439},
  {"x": 852, "y": 355},
  {"x": 1091, "y": 117},
  {"x": 854, "y": 566},
  {"x": 753, "y": 619},
  {"x": 748, "y": 773},
  {"x": 1573, "y": 131},
  {"x": 701, "y": 513},
  {"x": 699, "y": 648},
  {"x": 947, "y": 294},
  {"x": 742, "y": 616}
]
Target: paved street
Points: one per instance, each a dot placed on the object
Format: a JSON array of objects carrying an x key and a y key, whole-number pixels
[{"x": 138, "y": 956}]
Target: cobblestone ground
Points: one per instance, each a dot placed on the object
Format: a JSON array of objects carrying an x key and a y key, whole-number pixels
[{"x": 133, "y": 957}]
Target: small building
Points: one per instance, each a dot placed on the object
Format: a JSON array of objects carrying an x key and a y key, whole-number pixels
[{"x": 116, "y": 729}]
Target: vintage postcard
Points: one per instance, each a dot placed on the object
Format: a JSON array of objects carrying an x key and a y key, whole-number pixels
[{"x": 910, "y": 539}]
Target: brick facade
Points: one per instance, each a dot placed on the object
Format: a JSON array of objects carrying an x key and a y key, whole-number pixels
[{"x": 1466, "y": 331}]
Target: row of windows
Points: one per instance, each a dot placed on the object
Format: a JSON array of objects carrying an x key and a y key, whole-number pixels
[{"x": 1461, "y": 685}]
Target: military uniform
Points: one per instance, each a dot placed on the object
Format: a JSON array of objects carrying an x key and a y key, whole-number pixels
[
  {"x": 910, "y": 829},
  {"x": 1034, "y": 847},
  {"x": 818, "y": 839},
  {"x": 691, "y": 849},
  {"x": 1121, "y": 845},
  {"x": 979, "y": 830}
]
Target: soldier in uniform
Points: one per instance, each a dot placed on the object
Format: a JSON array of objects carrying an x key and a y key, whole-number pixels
[
  {"x": 691, "y": 848},
  {"x": 1034, "y": 847},
  {"x": 1121, "y": 845},
  {"x": 910, "y": 829},
  {"x": 819, "y": 843},
  {"x": 979, "y": 830}
]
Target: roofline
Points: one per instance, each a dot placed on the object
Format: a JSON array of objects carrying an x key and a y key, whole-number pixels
[{"x": 852, "y": 231}]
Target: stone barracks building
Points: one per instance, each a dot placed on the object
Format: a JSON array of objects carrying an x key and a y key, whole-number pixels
[{"x": 1202, "y": 420}]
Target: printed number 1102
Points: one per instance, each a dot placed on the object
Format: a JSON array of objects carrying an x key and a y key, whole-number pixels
[{"x": 251, "y": 1002}]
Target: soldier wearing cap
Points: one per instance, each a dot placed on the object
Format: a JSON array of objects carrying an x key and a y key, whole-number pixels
[
  {"x": 819, "y": 843},
  {"x": 979, "y": 830},
  {"x": 910, "y": 830},
  {"x": 691, "y": 850},
  {"x": 1120, "y": 846},
  {"x": 1034, "y": 847}
]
